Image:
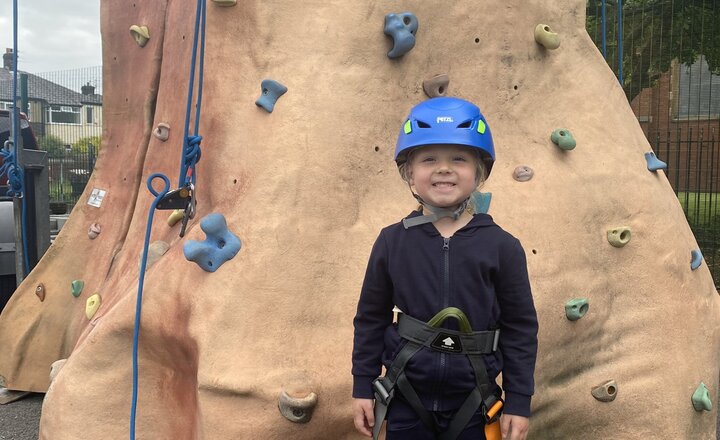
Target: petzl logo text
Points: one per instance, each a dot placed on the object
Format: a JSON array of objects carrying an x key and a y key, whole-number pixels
[{"x": 444, "y": 119}]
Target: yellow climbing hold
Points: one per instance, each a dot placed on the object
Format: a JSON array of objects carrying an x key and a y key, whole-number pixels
[
  {"x": 175, "y": 217},
  {"x": 92, "y": 305},
  {"x": 141, "y": 34},
  {"x": 225, "y": 2},
  {"x": 546, "y": 37}
]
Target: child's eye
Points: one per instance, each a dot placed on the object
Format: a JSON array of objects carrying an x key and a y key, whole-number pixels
[
  {"x": 428, "y": 159},
  {"x": 461, "y": 159}
]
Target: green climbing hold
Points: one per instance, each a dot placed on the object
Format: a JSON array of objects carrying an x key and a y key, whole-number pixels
[
  {"x": 576, "y": 308},
  {"x": 77, "y": 287},
  {"x": 620, "y": 236},
  {"x": 545, "y": 36},
  {"x": 701, "y": 398},
  {"x": 563, "y": 139}
]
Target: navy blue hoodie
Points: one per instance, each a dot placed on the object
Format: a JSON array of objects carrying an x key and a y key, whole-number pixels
[{"x": 481, "y": 270}]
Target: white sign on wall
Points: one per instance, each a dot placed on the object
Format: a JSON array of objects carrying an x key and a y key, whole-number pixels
[{"x": 96, "y": 197}]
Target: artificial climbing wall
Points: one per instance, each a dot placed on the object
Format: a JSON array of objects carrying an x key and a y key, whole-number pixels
[{"x": 306, "y": 189}]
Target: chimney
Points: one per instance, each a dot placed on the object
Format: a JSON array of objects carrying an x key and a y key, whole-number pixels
[
  {"x": 8, "y": 59},
  {"x": 87, "y": 89}
]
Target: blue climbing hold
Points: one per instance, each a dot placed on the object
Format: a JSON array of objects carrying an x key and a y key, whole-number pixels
[
  {"x": 481, "y": 201},
  {"x": 271, "y": 91},
  {"x": 653, "y": 163},
  {"x": 219, "y": 246},
  {"x": 402, "y": 28},
  {"x": 696, "y": 260}
]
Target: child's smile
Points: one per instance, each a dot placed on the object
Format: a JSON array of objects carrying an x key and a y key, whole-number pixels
[{"x": 443, "y": 175}]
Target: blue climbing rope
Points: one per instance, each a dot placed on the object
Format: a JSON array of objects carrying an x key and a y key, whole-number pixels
[
  {"x": 10, "y": 167},
  {"x": 189, "y": 158},
  {"x": 138, "y": 302},
  {"x": 191, "y": 144}
]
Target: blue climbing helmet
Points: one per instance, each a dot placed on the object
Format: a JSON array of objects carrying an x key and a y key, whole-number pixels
[{"x": 446, "y": 120}]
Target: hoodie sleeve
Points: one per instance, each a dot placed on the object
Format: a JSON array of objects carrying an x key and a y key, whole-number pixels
[
  {"x": 518, "y": 330},
  {"x": 374, "y": 314}
]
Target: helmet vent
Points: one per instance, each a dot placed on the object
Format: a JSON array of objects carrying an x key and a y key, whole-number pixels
[
  {"x": 465, "y": 124},
  {"x": 422, "y": 124}
]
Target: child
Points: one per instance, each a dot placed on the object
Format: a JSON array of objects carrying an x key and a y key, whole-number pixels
[{"x": 440, "y": 377}]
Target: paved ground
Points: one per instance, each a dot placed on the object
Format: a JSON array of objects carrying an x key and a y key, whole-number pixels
[{"x": 20, "y": 420}]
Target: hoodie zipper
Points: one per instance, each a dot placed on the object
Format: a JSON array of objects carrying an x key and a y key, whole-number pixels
[{"x": 446, "y": 303}]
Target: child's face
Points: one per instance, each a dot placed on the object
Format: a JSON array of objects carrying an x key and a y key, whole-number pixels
[{"x": 443, "y": 175}]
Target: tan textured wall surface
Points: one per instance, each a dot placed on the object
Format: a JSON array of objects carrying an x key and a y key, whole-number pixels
[{"x": 307, "y": 189}]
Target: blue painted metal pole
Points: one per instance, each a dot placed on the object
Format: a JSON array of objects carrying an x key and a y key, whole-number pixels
[
  {"x": 604, "y": 31},
  {"x": 620, "y": 42}
]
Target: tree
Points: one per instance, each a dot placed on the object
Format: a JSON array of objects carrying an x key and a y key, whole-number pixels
[
  {"x": 656, "y": 32},
  {"x": 82, "y": 144},
  {"x": 54, "y": 145}
]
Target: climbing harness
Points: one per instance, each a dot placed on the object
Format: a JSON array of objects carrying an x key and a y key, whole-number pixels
[
  {"x": 10, "y": 166},
  {"x": 466, "y": 342},
  {"x": 180, "y": 198}
]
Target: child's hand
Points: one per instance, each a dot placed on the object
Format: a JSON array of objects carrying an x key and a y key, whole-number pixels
[
  {"x": 514, "y": 427},
  {"x": 363, "y": 416}
]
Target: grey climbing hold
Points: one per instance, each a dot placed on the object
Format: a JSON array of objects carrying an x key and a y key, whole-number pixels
[
  {"x": 40, "y": 291},
  {"x": 481, "y": 202},
  {"x": 523, "y": 173},
  {"x": 55, "y": 368},
  {"x": 162, "y": 131},
  {"x": 402, "y": 28},
  {"x": 606, "y": 392},
  {"x": 436, "y": 86},
  {"x": 297, "y": 410},
  {"x": 701, "y": 398},
  {"x": 576, "y": 308},
  {"x": 77, "y": 287},
  {"x": 271, "y": 90},
  {"x": 653, "y": 163},
  {"x": 696, "y": 258},
  {"x": 563, "y": 139},
  {"x": 546, "y": 37},
  {"x": 156, "y": 250},
  {"x": 141, "y": 34},
  {"x": 619, "y": 237},
  {"x": 94, "y": 230},
  {"x": 3, "y": 383}
]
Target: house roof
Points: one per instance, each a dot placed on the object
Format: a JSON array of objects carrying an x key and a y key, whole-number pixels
[{"x": 42, "y": 89}]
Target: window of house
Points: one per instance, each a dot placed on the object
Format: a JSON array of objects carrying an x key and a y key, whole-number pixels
[
  {"x": 698, "y": 92},
  {"x": 5, "y": 105},
  {"x": 89, "y": 115},
  {"x": 63, "y": 114}
]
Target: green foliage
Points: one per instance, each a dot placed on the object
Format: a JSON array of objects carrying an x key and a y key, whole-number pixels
[
  {"x": 54, "y": 145},
  {"x": 82, "y": 144},
  {"x": 656, "y": 32}
]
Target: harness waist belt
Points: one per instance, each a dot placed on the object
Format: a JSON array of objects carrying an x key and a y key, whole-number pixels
[{"x": 484, "y": 342}]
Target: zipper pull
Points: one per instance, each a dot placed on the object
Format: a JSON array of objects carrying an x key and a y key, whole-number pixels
[{"x": 446, "y": 243}]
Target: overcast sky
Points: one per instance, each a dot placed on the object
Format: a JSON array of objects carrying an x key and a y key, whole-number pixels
[{"x": 53, "y": 34}]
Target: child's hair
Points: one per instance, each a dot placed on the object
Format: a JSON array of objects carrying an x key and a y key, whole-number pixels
[{"x": 480, "y": 170}]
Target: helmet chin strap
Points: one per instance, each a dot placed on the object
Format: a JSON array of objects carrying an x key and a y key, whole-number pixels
[{"x": 436, "y": 213}]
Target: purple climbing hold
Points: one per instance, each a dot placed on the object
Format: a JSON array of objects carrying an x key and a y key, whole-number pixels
[{"x": 220, "y": 245}]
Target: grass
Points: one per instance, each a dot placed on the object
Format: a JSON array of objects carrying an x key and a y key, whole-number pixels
[{"x": 700, "y": 208}]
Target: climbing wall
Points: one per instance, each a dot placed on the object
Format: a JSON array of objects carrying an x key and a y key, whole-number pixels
[{"x": 628, "y": 328}]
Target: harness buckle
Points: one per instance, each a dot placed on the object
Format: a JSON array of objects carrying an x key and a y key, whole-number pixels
[
  {"x": 493, "y": 413},
  {"x": 381, "y": 393}
]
